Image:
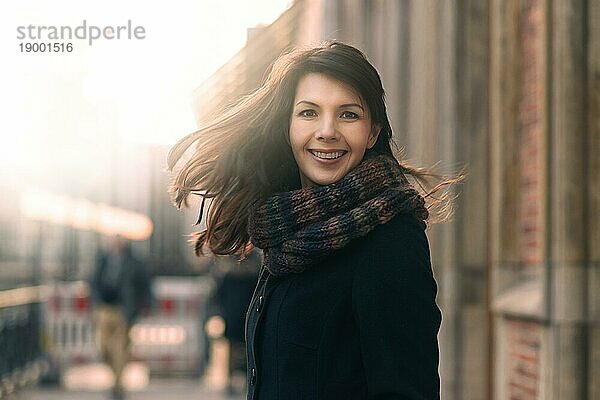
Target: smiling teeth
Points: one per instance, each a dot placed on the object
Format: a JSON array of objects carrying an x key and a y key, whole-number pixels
[{"x": 328, "y": 156}]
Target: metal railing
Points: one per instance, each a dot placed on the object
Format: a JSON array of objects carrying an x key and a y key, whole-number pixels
[{"x": 20, "y": 349}]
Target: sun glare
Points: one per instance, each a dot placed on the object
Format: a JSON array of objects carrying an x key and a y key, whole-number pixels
[
  {"x": 127, "y": 90},
  {"x": 85, "y": 215}
]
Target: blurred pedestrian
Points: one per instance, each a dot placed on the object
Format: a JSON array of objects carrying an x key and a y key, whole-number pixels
[
  {"x": 120, "y": 289},
  {"x": 303, "y": 168},
  {"x": 236, "y": 279}
]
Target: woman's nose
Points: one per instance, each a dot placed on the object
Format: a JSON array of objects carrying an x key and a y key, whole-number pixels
[{"x": 327, "y": 130}]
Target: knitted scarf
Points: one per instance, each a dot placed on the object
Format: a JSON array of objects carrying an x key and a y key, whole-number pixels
[{"x": 296, "y": 229}]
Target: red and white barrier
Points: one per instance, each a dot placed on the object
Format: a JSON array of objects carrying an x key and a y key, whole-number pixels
[
  {"x": 68, "y": 324},
  {"x": 169, "y": 338}
]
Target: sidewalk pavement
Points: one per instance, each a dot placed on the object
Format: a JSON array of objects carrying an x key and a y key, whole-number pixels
[
  {"x": 158, "y": 388},
  {"x": 92, "y": 382}
]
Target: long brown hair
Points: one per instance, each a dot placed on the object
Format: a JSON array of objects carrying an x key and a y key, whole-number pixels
[{"x": 243, "y": 156}]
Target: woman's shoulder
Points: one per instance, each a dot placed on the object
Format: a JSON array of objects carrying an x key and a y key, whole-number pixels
[
  {"x": 389, "y": 245},
  {"x": 393, "y": 255},
  {"x": 401, "y": 231}
]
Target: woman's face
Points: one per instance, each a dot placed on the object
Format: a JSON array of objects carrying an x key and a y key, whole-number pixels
[{"x": 330, "y": 129}]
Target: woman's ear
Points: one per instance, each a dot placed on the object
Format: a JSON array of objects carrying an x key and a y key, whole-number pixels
[{"x": 375, "y": 130}]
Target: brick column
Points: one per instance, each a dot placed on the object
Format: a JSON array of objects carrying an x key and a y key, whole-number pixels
[
  {"x": 518, "y": 197},
  {"x": 524, "y": 343},
  {"x": 532, "y": 135}
]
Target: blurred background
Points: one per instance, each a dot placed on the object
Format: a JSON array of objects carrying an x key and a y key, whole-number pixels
[{"x": 509, "y": 88}]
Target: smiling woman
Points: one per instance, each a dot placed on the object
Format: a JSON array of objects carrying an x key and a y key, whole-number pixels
[{"x": 303, "y": 169}]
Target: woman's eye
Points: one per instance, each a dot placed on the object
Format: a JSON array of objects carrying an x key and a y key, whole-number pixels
[
  {"x": 307, "y": 113},
  {"x": 349, "y": 115}
]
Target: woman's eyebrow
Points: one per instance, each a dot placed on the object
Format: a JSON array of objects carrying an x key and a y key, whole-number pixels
[
  {"x": 352, "y": 105},
  {"x": 310, "y": 103}
]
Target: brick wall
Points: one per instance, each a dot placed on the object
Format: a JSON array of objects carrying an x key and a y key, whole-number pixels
[
  {"x": 530, "y": 129},
  {"x": 524, "y": 337},
  {"x": 523, "y": 344}
]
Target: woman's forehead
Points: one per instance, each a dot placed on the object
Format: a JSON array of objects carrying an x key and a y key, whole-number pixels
[{"x": 318, "y": 87}]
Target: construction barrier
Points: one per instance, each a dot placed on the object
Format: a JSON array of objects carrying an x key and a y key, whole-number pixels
[
  {"x": 68, "y": 325},
  {"x": 169, "y": 338},
  {"x": 21, "y": 360}
]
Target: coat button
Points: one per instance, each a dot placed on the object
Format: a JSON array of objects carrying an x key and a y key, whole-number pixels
[
  {"x": 259, "y": 303},
  {"x": 253, "y": 376}
]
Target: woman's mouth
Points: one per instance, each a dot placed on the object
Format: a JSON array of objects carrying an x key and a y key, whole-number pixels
[{"x": 328, "y": 155}]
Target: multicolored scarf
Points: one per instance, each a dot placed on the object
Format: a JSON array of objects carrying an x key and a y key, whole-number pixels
[{"x": 296, "y": 229}]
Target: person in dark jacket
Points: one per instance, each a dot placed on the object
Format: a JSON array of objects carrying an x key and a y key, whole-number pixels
[
  {"x": 303, "y": 169},
  {"x": 120, "y": 290},
  {"x": 236, "y": 280}
]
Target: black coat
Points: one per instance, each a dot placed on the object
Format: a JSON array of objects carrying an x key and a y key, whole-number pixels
[{"x": 362, "y": 324}]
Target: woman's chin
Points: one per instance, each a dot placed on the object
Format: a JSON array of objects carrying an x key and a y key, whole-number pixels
[{"x": 322, "y": 180}]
